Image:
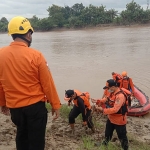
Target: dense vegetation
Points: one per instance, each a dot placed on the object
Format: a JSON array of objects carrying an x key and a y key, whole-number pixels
[{"x": 79, "y": 16}]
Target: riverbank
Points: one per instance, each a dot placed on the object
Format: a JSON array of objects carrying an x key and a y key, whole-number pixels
[
  {"x": 59, "y": 137},
  {"x": 101, "y": 26},
  {"x": 98, "y": 27}
]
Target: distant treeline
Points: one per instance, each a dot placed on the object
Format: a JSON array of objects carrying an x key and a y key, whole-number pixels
[{"x": 79, "y": 16}]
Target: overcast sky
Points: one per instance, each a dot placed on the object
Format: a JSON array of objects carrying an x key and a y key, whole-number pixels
[{"x": 28, "y": 8}]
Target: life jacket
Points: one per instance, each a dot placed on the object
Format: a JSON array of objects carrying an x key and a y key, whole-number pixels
[
  {"x": 126, "y": 83},
  {"x": 111, "y": 101},
  {"x": 85, "y": 96}
]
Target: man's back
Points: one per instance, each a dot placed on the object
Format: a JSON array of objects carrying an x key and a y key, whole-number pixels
[
  {"x": 25, "y": 84},
  {"x": 19, "y": 76}
]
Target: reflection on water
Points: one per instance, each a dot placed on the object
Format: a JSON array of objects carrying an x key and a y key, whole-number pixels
[{"x": 84, "y": 59}]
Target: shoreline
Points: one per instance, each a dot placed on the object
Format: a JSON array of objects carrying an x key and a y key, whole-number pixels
[
  {"x": 101, "y": 26},
  {"x": 98, "y": 27}
]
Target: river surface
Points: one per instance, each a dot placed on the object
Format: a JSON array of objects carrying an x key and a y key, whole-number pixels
[{"x": 84, "y": 59}]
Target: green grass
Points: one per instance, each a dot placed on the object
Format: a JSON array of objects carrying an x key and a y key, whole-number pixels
[
  {"x": 64, "y": 111},
  {"x": 48, "y": 106},
  {"x": 89, "y": 144}
]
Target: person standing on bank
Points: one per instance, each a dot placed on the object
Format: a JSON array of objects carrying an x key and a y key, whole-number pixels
[
  {"x": 26, "y": 84},
  {"x": 117, "y": 114}
]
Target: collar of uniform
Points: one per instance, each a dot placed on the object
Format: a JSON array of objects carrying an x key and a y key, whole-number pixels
[{"x": 18, "y": 44}]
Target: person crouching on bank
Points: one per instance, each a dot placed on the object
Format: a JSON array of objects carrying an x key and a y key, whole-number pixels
[{"x": 81, "y": 106}]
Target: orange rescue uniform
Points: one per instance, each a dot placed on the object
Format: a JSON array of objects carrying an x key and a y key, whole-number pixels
[
  {"x": 119, "y": 101},
  {"x": 25, "y": 78}
]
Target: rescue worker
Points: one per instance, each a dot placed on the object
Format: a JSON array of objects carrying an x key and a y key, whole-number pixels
[
  {"x": 81, "y": 106},
  {"x": 117, "y": 77},
  {"x": 127, "y": 83},
  {"x": 26, "y": 84},
  {"x": 117, "y": 114}
]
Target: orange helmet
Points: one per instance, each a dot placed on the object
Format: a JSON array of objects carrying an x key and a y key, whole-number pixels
[{"x": 124, "y": 73}]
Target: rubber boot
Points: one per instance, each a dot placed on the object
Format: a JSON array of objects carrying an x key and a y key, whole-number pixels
[{"x": 72, "y": 128}]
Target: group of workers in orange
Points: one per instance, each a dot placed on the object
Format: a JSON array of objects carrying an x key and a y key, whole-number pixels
[
  {"x": 114, "y": 103},
  {"x": 26, "y": 84}
]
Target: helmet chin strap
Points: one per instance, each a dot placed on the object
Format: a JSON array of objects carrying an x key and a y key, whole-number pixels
[{"x": 29, "y": 42}]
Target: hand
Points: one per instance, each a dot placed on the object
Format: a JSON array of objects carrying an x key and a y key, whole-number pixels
[
  {"x": 100, "y": 109},
  {"x": 70, "y": 104},
  {"x": 56, "y": 112},
  {"x": 5, "y": 110},
  {"x": 84, "y": 123}
]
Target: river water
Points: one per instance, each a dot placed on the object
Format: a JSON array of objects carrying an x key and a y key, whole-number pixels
[{"x": 84, "y": 59}]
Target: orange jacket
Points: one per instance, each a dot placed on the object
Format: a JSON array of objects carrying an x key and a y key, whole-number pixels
[
  {"x": 117, "y": 77},
  {"x": 82, "y": 102},
  {"x": 84, "y": 98},
  {"x": 127, "y": 84},
  {"x": 108, "y": 94},
  {"x": 119, "y": 101},
  {"x": 25, "y": 78}
]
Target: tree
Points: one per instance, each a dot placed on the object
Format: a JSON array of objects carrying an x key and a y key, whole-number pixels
[
  {"x": 4, "y": 20},
  {"x": 34, "y": 22},
  {"x": 3, "y": 24},
  {"x": 133, "y": 13},
  {"x": 56, "y": 15},
  {"x": 45, "y": 24},
  {"x": 77, "y": 9}
]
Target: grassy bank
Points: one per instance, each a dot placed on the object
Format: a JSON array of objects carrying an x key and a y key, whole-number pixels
[{"x": 93, "y": 141}]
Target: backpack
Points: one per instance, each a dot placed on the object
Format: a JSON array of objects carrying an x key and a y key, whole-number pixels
[
  {"x": 86, "y": 95},
  {"x": 124, "y": 109}
]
